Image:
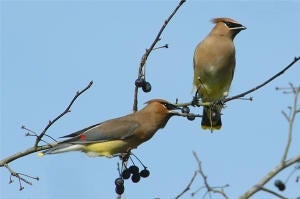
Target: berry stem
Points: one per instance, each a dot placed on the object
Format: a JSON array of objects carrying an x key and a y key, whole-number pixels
[{"x": 138, "y": 160}]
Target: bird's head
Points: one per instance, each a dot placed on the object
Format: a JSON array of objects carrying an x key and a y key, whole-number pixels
[
  {"x": 161, "y": 106},
  {"x": 162, "y": 110},
  {"x": 227, "y": 26}
]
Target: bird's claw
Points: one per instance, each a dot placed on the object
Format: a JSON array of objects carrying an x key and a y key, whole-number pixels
[{"x": 195, "y": 101}]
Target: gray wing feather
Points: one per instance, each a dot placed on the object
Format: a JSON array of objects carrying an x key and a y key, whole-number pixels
[{"x": 106, "y": 131}]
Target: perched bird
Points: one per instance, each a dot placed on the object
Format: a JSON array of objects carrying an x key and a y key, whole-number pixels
[
  {"x": 214, "y": 63},
  {"x": 119, "y": 135}
]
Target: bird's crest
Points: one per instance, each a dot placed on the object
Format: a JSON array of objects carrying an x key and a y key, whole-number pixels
[
  {"x": 158, "y": 100},
  {"x": 224, "y": 19},
  {"x": 164, "y": 103}
]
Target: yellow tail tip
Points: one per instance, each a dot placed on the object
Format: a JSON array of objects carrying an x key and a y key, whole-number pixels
[
  {"x": 211, "y": 127},
  {"x": 40, "y": 154}
]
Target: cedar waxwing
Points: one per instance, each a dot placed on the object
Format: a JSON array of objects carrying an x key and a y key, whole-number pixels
[
  {"x": 214, "y": 63},
  {"x": 119, "y": 135}
]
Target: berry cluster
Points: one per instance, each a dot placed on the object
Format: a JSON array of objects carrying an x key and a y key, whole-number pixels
[
  {"x": 141, "y": 82},
  {"x": 134, "y": 172},
  {"x": 190, "y": 116}
]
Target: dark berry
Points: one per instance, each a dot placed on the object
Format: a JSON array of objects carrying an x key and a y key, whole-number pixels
[
  {"x": 191, "y": 117},
  {"x": 119, "y": 181},
  {"x": 185, "y": 109},
  {"x": 135, "y": 177},
  {"x": 280, "y": 185},
  {"x": 126, "y": 174},
  {"x": 145, "y": 173},
  {"x": 146, "y": 87},
  {"x": 119, "y": 189},
  {"x": 140, "y": 82},
  {"x": 133, "y": 169}
]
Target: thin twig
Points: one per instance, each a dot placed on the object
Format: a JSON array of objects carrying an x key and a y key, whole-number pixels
[
  {"x": 33, "y": 133},
  {"x": 149, "y": 50},
  {"x": 240, "y": 96},
  {"x": 285, "y": 115},
  {"x": 19, "y": 177},
  {"x": 78, "y": 93},
  {"x": 186, "y": 114},
  {"x": 284, "y": 163},
  {"x": 263, "y": 84},
  {"x": 159, "y": 47},
  {"x": 36, "y": 148},
  {"x": 291, "y": 120},
  {"x": 255, "y": 188},
  {"x": 273, "y": 192},
  {"x": 207, "y": 186},
  {"x": 24, "y": 153},
  {"x": 188, "y": 186}
]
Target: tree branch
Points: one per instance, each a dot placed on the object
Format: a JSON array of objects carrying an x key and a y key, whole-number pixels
[
  {"x": 67, "y": 110},
  {"x": 19, "y": 177},
  {"x": 263, "y": 84},
  {"x": 284, "y": 163},
  {"x": 207, "y": 186},
  {"x": 291, "y": 120},
  {"x": 188, "y": 186},
  {"x": 273, "y": 192},
  {"x": 36, "y": 148},
  {"x": 23, "y": 153},
  {"x": 257, "y": 187},
  {"x": 239, "y": 96},
  {"x": 149, "y": 50}
]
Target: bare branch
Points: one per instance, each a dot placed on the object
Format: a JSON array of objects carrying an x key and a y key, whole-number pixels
[
  {"x": 150, "y": 49},
  {"x": 240, "y": 96},
  {"x": 263, "y": 84},
  {"x": 291, "y": 120},
  {"x": 159, "y": 47},
  {"x": 273, "y": 192},
  {"x": 34, "y": 134},
  {"x": 36, "y": 148},
  {"x": 285, "y": 115},
  {"x": 19, "y": 177},
  {"x": 188, "y": 186},
  {"x": 207, "y": 186},
  {"x": 78, "y": 93},
  {"x": 269, "y": 176},
  {"x": 284, "y": 163},
  {"x": 23, "y": 153}
]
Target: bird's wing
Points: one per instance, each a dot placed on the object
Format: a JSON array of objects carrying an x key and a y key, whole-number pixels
[{"x": 105, "y": 131}]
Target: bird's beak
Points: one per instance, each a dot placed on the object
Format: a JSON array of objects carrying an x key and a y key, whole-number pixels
[
  {"x": 239, "y": 28},
  {"x": 173, "y": 109},
  {"x": 171, "y": 112}
]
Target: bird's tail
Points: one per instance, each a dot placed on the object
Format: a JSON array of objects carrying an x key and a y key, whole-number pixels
[
  {"x": 61, "y": 148},
  {"x": 211, "y": 118}
]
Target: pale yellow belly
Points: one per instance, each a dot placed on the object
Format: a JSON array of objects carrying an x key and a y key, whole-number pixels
[{"x": 108, "y": 149}]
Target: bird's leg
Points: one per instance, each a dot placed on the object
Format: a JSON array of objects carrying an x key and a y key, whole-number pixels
[
  {"x": 124, "y": 157},
  {"x": 195, "y": 99}
]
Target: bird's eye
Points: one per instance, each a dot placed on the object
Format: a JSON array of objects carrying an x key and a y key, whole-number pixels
[
  {"x": 169, "y": 106},
  {"x": 228, "y": 24},
  {"x": 232, "y": 25}
]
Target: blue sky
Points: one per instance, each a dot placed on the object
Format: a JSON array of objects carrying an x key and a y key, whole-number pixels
[{"x": 51, "y": 49}]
